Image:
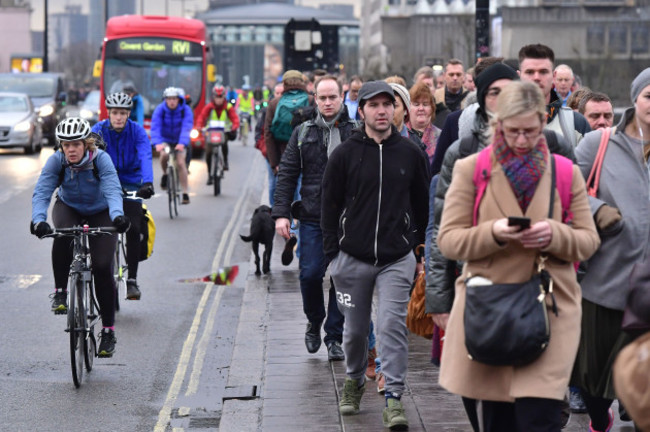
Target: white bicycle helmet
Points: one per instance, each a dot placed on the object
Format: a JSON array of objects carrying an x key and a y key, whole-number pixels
[
  {"x": 172, "y": 92},
  {"x": 119, "y": 100},
  {"x": 72, "y": 129}
]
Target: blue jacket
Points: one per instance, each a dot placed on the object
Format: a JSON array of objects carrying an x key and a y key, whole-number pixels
[
  {"x": 137, "y": 112},
  {"x": 129, "y": 150},
  {"x": 80, "y": 189},
  {"x": 172, "y": 127}
]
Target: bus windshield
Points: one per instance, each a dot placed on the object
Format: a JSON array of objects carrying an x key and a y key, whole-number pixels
[{"x": 150, "y": 78}]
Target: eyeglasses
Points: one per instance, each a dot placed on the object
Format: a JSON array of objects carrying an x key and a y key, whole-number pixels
[
  {"x": 493, "y": 92},
  {"x": 528, "y": 133}
]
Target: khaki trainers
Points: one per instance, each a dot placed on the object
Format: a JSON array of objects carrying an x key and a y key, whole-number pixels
[
  {"x": 351, "y": 397},
  {"x": 394, "y": 417}
]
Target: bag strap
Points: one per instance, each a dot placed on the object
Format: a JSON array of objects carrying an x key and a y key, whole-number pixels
[
  {"x": 564, "y": 180},
  {"x": 481, "y": 178},
  {"x": 594, "y": 175}
]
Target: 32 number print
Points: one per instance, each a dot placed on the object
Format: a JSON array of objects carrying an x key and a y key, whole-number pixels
[{"x": 344, "y": 299}]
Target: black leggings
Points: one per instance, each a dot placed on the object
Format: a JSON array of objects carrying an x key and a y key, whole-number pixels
[
  {"x": 133, "y": 210},
  {"x": 524, "y": 415},
  {"x": 102, "y": 249}
]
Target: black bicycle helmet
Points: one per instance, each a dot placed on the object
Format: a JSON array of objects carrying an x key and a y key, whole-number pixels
[
  {"x": 119, "y": 100},
  {"x": 72, "y": 129}
]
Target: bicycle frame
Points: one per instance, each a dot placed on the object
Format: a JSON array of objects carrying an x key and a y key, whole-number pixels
[{"x": 173, "y": 182}]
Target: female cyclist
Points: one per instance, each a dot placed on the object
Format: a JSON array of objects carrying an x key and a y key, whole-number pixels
[{"x": 89, "y": 192}]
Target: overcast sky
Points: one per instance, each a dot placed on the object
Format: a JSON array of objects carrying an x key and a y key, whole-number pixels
[{"x": 151, "y": 7}]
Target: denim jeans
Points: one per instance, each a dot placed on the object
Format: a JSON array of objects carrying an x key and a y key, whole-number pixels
[
  {"x": 312, "y": 271},
  {"x": 273, "y": 179}
]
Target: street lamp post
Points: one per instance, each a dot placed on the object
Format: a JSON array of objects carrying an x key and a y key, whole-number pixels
[{"x": 45, "y": 42}]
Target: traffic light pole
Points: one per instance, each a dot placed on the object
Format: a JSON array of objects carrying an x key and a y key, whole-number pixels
[{"x": 482, "y": 29}]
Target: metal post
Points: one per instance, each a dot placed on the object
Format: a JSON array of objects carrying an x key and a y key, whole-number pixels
[
  {"x": 105, "y": 12},
  {"x": 482, "y": 29},
  {"x": 45, "y": 41}
]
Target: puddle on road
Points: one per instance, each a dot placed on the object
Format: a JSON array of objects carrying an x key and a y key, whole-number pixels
[{"x": 19, "y": 281}]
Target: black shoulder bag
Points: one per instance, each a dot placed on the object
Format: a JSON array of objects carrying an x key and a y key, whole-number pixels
[{"x": 508, "y": 324}]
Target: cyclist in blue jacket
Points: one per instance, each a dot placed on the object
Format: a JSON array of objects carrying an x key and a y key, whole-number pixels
[
  {"x": 137, "y": 111},
  {"x": 171, "y": 123},
  {"x": 89, "y": 190},
  {"x": 128, "y": 146}
]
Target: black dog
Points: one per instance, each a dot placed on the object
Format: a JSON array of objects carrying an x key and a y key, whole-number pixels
[{"x": 262, "y": 231}]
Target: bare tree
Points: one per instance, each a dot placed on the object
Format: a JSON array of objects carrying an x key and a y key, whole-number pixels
[{"x": 76, "y": 62}]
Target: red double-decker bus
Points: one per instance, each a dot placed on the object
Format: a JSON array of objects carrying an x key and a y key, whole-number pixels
[{"x": 152, "y": 53}]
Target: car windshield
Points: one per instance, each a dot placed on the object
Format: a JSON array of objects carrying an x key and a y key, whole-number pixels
[
  {"x": 34, "y": 86},
  {"x": 92, "y": 100},
  {"x": 13, "y": 104}
]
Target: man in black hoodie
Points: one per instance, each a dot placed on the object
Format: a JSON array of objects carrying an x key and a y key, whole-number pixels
[{"x": 374, "y": 213}]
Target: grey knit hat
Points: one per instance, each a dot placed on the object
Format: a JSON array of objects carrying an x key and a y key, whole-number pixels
[
  {"x": 640, "y": 82},
  {"x": 401, "y": 91}
]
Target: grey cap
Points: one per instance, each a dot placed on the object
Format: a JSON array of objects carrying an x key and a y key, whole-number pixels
[{"x": 371, "y": 89}]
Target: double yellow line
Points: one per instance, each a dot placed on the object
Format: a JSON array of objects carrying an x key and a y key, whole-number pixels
[{"x": 229, "y": 238}]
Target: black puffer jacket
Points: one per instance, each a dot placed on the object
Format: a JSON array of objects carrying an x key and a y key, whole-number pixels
[{"x": 308, "y": 158}]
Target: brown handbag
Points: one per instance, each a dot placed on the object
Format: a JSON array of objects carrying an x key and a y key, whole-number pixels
[
  {"x": 417, "y": 320},
  {"x": 636, "y": 317}
]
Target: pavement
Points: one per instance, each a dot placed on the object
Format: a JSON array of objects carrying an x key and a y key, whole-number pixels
[{"x": 274, "y": 384}]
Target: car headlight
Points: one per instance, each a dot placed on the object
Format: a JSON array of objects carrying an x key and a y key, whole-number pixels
[
  {"x": 23, "y": 126},
  {"x": 46, "y": 110},
  {"x": 194, "y": 134},
  {"x": 86, "y": 113}
]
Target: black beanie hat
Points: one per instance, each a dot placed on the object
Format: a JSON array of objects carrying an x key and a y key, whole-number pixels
[{"x": 493, "y": 73}]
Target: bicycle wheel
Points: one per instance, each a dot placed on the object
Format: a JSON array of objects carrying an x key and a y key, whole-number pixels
[
  {"x": 171, "y": 190},
  {"x": 244, "y": 132},
  {"x": 178, "y": 191},
  {"x": 76, "y": 327},
  {"x": 119, "y": 271},
  {"x": 90, "y": 343},
  {"x": 216, "y": 173}
]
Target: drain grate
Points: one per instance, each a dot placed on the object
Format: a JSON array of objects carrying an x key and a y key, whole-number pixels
[{"x": 240, "y": 392}]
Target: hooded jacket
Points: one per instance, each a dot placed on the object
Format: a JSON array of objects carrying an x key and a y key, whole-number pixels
[
  {"x": 80, "y": 189},
  {"x": 130, "y": 151},
  {"x": 172, "y": 126},
  {"x": 374, "y": 198},
  {"x": 306, "y": 155}
]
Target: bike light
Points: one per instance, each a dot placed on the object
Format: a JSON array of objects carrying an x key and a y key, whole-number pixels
[
  {"x": 194, "y": 134},
  {"x": 46, "y": 110}
]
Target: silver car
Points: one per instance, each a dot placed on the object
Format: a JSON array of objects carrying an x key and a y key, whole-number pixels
[{"x": 20, "y": 125}]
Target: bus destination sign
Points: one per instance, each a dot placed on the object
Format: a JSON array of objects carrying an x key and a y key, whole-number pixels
[{"x": 155, "y": 47}]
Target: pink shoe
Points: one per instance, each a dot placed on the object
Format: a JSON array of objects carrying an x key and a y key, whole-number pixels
[{"x": 610, "y": 414}]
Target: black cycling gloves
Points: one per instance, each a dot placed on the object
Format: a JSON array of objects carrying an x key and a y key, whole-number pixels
[
  {"x": 232, "y": 135},
  {"x": 40, "y": 229},
  {"x": 146, "y": 191},
  {"x": 122, "y": 224}
]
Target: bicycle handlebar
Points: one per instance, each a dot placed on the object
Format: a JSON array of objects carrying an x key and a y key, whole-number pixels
[{"x": 85, "y": 229}]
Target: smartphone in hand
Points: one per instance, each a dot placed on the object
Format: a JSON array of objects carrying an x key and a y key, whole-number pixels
[{"x": 522, "y": 222}]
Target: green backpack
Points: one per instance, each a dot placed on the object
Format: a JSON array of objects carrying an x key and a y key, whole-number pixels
[{"x": 289, "y": 102}]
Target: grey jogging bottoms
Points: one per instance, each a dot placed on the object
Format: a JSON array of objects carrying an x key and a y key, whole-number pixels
[{"x": 355, "y": 282}]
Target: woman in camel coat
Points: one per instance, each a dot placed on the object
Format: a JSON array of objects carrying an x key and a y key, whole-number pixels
[{"x": 525, "y": 398}]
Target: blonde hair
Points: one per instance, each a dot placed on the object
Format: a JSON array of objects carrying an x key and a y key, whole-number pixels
[
  {"x": 396, "y": 79},
  {"x": 520, "y": 97}
]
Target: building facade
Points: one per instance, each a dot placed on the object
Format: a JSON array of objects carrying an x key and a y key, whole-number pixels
[{"x": 247, "y": 42}]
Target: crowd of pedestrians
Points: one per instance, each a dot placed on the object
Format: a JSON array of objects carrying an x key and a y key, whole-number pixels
[{"x": 382, "y": 168}]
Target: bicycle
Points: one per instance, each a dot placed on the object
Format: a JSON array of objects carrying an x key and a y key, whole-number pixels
[
  {"x": 174, "y": 190},
  {"x": 244, "y": 128},
  {"x": 83, "y": 308},
  {"x": 215, "y": 137},
  {"x": 120, "y": 264}
]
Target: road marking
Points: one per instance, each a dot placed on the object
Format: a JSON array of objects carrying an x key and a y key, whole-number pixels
[{"x": 228, "y": 234}]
